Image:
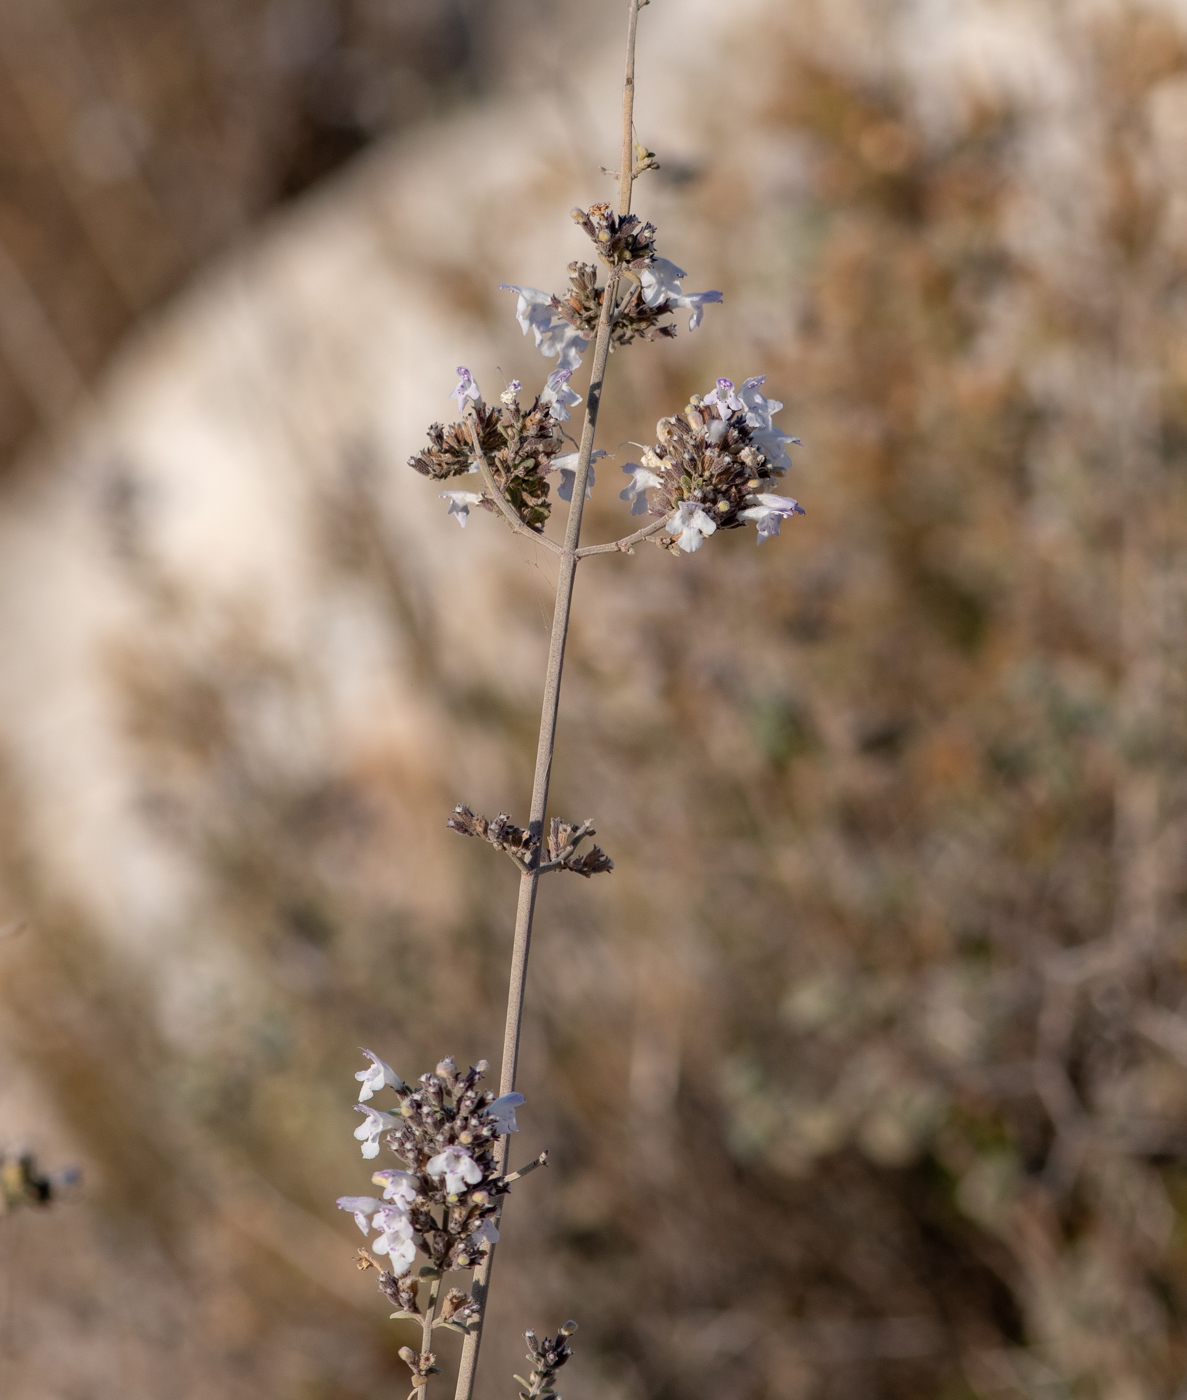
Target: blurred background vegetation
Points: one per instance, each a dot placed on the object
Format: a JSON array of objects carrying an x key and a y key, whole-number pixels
[{"x": 865, "y": 1073}]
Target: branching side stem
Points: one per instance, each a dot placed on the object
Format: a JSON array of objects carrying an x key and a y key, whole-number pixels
[
  {"x": 501, "y": 501},
  {"x": 525, "y": 910}
]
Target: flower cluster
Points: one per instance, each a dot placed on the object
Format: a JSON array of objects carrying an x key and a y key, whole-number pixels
[
  {"x": 564, "y": 326},
  {"x": 445, "y": 1131},
  {"x": 519, "y": 445},
  {"x": 711, "y": 465},
  {"x": 547, "y": 1357}
]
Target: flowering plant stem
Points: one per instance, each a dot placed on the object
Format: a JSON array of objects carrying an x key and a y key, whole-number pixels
[{"x": 569, "y": 555}]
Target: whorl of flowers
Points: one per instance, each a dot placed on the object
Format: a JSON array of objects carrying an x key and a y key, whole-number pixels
[
  {"x": 518, "y": 443},
  {"x": 444, "y": 1129},
  {"x": 713, "y": 467},
  {"x": 634, "y": 319}
]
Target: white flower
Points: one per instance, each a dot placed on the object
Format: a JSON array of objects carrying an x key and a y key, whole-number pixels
[
  {"x": 773, "y": 446},
  {"x": 507, "y": 397},
  {"x": 766, "y": 437},
  {"x": 368, "y": 1133},
  {"x": 661, "y": 282},
  {"x": 641, "y": 481},
  {"x": 460, "y": 503},
  {"x": 466, "y": 388},
  {"x": 690, "y": 525},
  {"x": 361, "y": 1207},
  {"x": 557, "y": 393},
  {"x": 457, "y": 1167},
  {"x": 565, "y": 342},
  {"x": 502, "y": 1113},
  {"x": 373, "y": 1079},
  {"x": 486, "y": 1233},
  {"x": 770, "y": 513},
  {"x": 400, "y": 1252},
  {"x": 401, "y": 1187},
  {"x": 534, "y": 309},
  {"x": 724, "y": 399},
  {"x": 758, "y": 408},
  {"x": 567, "y": 466},
  {"x": 397, "y": 1238},
  {"x": 554, "y": 336}
]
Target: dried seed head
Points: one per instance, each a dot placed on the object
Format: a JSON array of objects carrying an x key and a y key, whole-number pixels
[{"x": 622, "y": 240}]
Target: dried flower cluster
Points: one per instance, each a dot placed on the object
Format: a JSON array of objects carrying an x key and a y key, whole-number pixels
[
  {"x": 524, "y": 848},
  {"x": 622, "y": 240},
  {"x": 711, "y": 464}
]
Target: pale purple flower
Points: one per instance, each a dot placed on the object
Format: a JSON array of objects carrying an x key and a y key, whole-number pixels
[
  {"x": 636, "y": 491},
  {"x": 466, "y": 388},
  {"x": 368, "y": 1133},
  {"x": 373, "y": 1079},
  {"x": 724, "y": 399},
  {"x": 460, "y": 503},
  {"x": 486, "y": 1232},
  {"x": 401, "y": 1187},
  {"x": 770, "y": 513},
  {"x": 690, "y": 525},
  {"x": 502, "y": 1113},
  {"x": 567, "y": 466},
  {"x": 361, "y": 1207},
  {"x": 558, "y": 395},
  {"x": 457, "y": 1167},
  {"x": 555, "y": 337},
  {"x": 661, "y": 282}
]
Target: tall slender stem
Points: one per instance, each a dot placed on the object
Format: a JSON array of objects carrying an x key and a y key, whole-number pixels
[
  {"x": 626, "y": 177},
  {"x": 526, "y": 907}
]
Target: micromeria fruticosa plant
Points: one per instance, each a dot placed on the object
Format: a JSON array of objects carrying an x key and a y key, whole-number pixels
[{"x": 712, "y": 467}]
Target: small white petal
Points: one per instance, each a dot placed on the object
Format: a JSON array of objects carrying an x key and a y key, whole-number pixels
[
  {"x": 502, "y": 1112},
  {"x": 460, "y": 503}
]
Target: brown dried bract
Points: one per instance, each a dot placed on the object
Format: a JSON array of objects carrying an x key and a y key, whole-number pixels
[
  {"x": 459, "y": 1310},
  {"x": 501, "y": 831},
  {"x": 399, "y": 1291}
]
